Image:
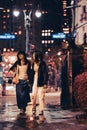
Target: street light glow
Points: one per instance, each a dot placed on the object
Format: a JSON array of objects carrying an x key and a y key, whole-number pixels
[
  {"x": 16, "y": 13},
  {"x": 72, "y": 2},
  {"x": 38, "y": 13}
]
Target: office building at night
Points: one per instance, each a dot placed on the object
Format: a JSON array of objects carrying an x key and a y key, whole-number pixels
[{"x": 54, "y": 21}]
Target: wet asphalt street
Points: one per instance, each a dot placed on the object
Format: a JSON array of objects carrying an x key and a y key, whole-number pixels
[{"x": 55, "y": 117}]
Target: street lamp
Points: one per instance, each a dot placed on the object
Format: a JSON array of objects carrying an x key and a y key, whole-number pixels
[
  {"x": 16, "y": 13},
  {"x": 27, "y": 20},
  {"x": 27, "y": 23},
  {"x": 38, "y": 13}
]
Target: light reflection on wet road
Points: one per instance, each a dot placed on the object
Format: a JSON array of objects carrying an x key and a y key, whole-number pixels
[{"x": 56, "y": 119}]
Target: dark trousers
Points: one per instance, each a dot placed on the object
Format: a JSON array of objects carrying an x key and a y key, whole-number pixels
[{"x": 22, "y": 94}]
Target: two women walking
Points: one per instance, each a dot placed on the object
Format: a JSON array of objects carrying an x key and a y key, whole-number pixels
[{"x": 37, "y": 75}]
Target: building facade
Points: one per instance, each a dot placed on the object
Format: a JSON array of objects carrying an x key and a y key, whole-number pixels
[
  {"x": 49, "y": 24},
  {"x": 9, "y": 24},
  {"x": 67, "y": 17},
  {"x": 81, "y": 22}
]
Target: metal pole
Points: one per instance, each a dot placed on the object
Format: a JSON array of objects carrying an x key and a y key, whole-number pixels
[
  {"x": 27, "y": 39},
  {"x": 27, "y": 25},
  {"x": 73, "y": 18}
]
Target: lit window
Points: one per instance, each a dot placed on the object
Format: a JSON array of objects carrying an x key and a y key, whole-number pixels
[
  {"x": 15, "y": 33},
  {"x": 4, "y": 16},
  {"x": 4, "y": 11},
  {"x": 45, "y": 41},
  {"x": 8, "y": 10},
  {"x": 8, "y": 16},
  {"x": 42, "y": 30},
  {"x": 52, "y": 41},
  {"x": 42, "y": 34},
  {"x": 4, "y": 22},
  {"x": 4, "y": 49},
  {"x": 4, "y": 27},
  {"x": 20, "y": 32},
  {"x": 45, "y": 30},
  {"x": 64, "y": 14},
  {"x": 65, "y": 23},
  {"x": 45, "y": 34},
  {"x": 48, "y": 41},
  {"x": 49, "y": 30},
  {"x": 49, "y": 49},
  {"x": 42, "y": 41},
  {"x": 19, "y": 27},
  {"x": 49, "y": 34}
]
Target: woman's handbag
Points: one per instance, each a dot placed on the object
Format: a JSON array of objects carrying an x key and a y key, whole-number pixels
[{"x": 15, "y": 79}]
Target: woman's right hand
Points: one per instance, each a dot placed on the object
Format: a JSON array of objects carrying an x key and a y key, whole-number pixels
[{"x": 10, "y": 72}]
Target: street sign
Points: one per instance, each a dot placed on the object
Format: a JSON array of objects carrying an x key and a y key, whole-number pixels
[
  {"x": 59, "y": 36},
  {"x": 7, "y": 36}
]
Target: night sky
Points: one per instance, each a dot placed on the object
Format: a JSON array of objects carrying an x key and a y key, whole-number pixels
[
  {"x": 52, "y": 5},
  {"x": 9, "y": 3},
  {"x": 44, "y": 3}
]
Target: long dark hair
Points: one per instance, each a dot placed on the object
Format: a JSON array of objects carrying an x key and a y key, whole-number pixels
[
  {"x": 38, "y": 56},
  {"x": 23, "y": 53}
]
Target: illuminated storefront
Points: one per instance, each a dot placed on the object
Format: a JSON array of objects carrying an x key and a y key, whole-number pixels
[{"x": 8, "y": 58}]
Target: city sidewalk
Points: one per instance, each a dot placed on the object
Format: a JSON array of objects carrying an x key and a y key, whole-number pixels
[{"x": 55, "y": 117}]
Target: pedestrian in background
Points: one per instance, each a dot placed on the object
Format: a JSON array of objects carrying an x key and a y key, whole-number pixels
[
  {"x": 22, "y": 68},
  {"x": 40, "y": 81},
  {"x": 51, "y": 73}
]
